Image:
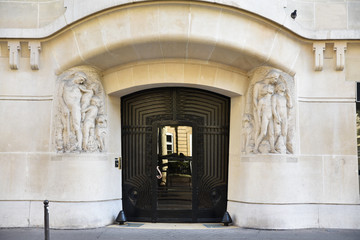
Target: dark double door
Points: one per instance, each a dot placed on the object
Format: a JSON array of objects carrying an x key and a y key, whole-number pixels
[{"x": 175, "y": 155}]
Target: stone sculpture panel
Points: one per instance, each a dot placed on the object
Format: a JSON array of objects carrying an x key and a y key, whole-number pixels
[
  {"x": 269, "y": 118},
  {"x": 81, "y": 123}
]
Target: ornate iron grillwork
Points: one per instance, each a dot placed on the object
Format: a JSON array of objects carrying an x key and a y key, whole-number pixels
[{"x": 208, "y": 115}]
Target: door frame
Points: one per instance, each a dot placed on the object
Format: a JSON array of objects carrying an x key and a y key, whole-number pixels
[{"x": 209, "y": 115}]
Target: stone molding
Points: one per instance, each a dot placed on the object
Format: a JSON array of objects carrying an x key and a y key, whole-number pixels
[
  {"x": 339, "y": 48},
  {"x": 14, "y": 47},
  {"x": 319, "y": 48},
  {"x": 35, "y": 48},
  {"x": 14, "y": 50},
  {"x": 26, "y": 98}
]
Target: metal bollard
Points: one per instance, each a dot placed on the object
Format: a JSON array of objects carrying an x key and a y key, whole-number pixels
[{"x": 46, "y": 220}]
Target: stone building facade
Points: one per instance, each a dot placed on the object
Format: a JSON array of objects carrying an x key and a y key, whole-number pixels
[{"x": 291, "y": 156}]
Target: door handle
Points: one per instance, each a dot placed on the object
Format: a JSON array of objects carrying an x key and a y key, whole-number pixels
[{"x": 158, "y": 176}]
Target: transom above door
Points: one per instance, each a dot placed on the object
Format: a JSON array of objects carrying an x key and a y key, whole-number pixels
[{"x": 175, "y": 155}]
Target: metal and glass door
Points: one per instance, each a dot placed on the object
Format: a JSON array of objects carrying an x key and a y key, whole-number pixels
[
  {"x": 175, "y": 155},
  {"x": 174, "y": 166}
]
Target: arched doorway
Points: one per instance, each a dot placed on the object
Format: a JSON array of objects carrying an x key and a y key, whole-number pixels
[{"x": 175, "y": 155}]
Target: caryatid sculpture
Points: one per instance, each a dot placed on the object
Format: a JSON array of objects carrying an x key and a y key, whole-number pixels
[
  {"x": 80, "y": 119},
  {"x": 268, "y": 122}
]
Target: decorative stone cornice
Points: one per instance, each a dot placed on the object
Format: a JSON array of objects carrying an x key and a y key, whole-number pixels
[
  {"x": 319, "y": 48},
  {"x": 14, "y": 47},
  {"x": 35, "y": 48},
  {"x": 340, "y": 48},
  {"x": 14, "y": 50}
]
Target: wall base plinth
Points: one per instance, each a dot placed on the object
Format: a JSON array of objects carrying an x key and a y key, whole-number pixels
[
  {"x": 63, "y": 215},
  {"x": 294, "y": 216}
]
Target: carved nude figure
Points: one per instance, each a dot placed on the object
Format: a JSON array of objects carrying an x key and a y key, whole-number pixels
[
  {"x": 90, "y": 114},
  {"x": 100, "y": 131},
  {"x": 264, "y": 111},
  {"x": 280, "y": 105},
  {"x": 80, "y": 123},
  {"x": 268, "y": 123},
  {"x": 70, "y": 98},
  {"x": 87, "y": 95},
  {"x": 261, "y": 90},
  {"x": 59, "y": 135},
  {"x": 247, "y": 129}
]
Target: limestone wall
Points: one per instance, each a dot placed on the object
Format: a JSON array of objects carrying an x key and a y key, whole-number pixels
[
  {"x": 316, "y": 19},
  {"x": 202, "y": 45}
]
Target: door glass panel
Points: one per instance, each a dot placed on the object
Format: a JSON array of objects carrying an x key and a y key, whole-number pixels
[{"x": 174, "y": 186}]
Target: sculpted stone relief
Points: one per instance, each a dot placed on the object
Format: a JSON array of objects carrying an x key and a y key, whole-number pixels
[
  {"x": 81, "y": 123},
  {"x": 269, "y": 121}
]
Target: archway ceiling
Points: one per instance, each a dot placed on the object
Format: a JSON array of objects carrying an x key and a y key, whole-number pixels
[{"x": 175, "y": 30}]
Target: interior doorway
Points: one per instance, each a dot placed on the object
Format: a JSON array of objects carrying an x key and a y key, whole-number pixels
[{"x": 175, "y": 155}]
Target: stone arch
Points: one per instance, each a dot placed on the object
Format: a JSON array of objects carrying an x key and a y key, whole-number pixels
[
  {"x": 213, "y": 77},
  {"x": 168, "y": 30}
]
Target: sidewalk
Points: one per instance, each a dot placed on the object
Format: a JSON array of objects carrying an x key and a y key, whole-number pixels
[{"x": 177, "y": 231}]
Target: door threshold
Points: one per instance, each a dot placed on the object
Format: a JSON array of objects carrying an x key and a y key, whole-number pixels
[{"x": 148, "y": 225}]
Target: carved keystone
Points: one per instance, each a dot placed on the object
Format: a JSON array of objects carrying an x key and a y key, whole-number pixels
[
  {"x": 319, "y": 48},
  {"x": 35, "y": 48},
  {"x": 14, "y": 50},
  {"x": 340, "y": 48}
]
